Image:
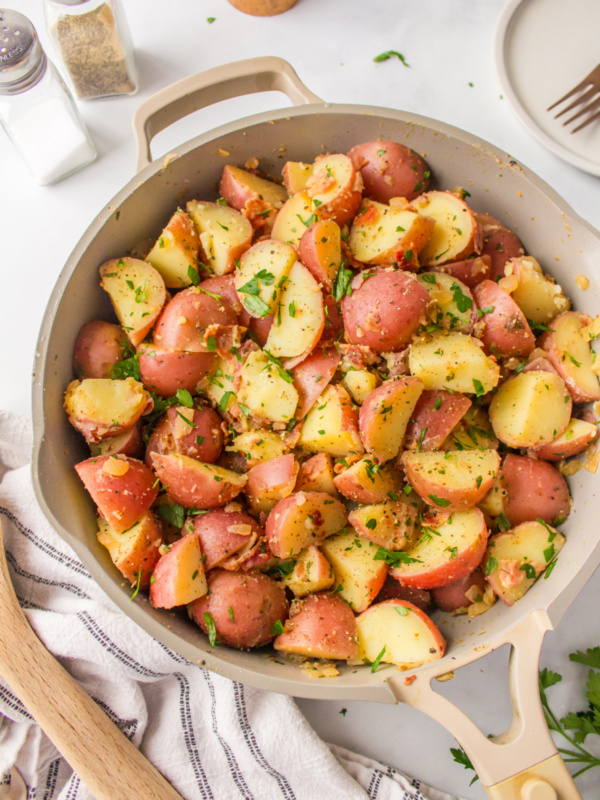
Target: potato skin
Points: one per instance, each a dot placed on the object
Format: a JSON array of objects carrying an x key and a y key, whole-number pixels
[
  {"x": 452, "y": 597},
  {"x": 506, "y": 332},
  {"x": 393, "y": 590},
  {"x": 321, "y": 626},
  {"x": 222, "y": 534},
  {"x": 256, "y": 601},
  {"x": 98, "y": 347},
  {"x": 533, "y": 489},
  {"x": 390, "y": 169},
  {"x": 167, "y": 371},
  {"x": 171, "y": 435},
  {"x": 470, "y": 271},
  {"x": 499, "y": 243},
  {"x": 183, "y": 321}
]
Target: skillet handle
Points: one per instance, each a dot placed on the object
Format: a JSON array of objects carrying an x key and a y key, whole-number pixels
[
  {"x": 205, "y": 88},
  {"x": 522, "y": 763}
]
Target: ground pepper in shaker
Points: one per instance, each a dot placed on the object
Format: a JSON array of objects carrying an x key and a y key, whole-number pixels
[
  {"x": 36, "y": 109},
  {"x": 92, "y": 40}
]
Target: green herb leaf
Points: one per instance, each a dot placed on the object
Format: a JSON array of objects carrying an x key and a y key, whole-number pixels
[
  {"x": 439, "y": 501},
  {"x": 211, "y": 628},
  {"x": 277, "y": 628},
  {"x": 341, "y": 283},
  {"x": 377, "y": 661},
  {"x": 139, "y": 582},
  {"x": 184, "y": 398},
  {"x": 394, "y": 557},
  {"x": 389, "y": 54},
  {"x": 463, "y": 759},
  {"x": 478, "y": 386}
]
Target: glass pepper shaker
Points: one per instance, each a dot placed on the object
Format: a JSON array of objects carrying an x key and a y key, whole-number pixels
[
  {"x": 36, "y": 108},
  {"x": 93, "y": 42}
]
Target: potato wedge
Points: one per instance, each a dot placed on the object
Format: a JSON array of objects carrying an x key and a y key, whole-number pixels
[
  {"x": 265, "y": 392},
  {"x": 453, "y": 301},
  {"x": 384, "y": 416},
  {"x": 456, "y": 233},
  {"x": 390, "y": 169},
  {"x": 391, "y": 524},
  {"x": 433, "y": 419},
  {"x": 322, "y": 626},
  {"x": 316, "y": 475},
  {"x": 335, "y": 188},
  {"x": 367, "y": 482},
  {"x": 474, "y": 431},
  {"x": 302, "y": 519},
  {"x": 506, "y": 331},
  {"x": 175, "y": 254},
  {"x": 312, "y": 375},
  {"x": 258, "y": 446},
  {"x": 189, "y": 318},
  {"x": 98, "y": 347},
  {"x": 358, "y": 577},
  {"x": 270, "y": 482},
  {"x": 331, "y": 426},
  {"x": 193, "y": 484},
  {"x": 257, "y": 198},
  {"x": 538, "y": 295},
  {"x": 167, "y": 371},
  {"x": 312, "y": 573},
  {"x": 499, "y": 243},
  {"x": 382, "y": 234},
  {"x": 574, "y": 439},
  {"x": 224, "y": 234},
  {"x": 296, "y": 215},
  {"x": 262, "y": 271},
  {"x": 222, "y": 534},
  {"x": 534, "y": 490},
  {"x": 134, "y": 552},
  {"x": 178, "y": 577},
  {"x": 101, "y": 407},
  {"x": 452, "y": 361},
  {"x": 570, "y": 353},
  {"x": 320, "y": 251},
  {"x": 295, "y": 175},
  {"x": 359, "y": 383}
]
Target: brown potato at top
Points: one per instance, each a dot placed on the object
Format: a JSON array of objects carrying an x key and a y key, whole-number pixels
[
  {"x": 98, "y": 347},
  {"x": 390, "y": 169}
]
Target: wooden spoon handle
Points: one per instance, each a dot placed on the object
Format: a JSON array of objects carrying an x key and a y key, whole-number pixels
[{"x": 110, "y": 766}]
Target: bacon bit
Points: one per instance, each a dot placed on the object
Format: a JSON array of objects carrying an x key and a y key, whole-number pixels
[
  {"x": 319, "y": 183},
  {"x": 115, "y": 466},
  {"x": 582, "y": 281},
  {"x": 369, "y": 217},
  {"x": 252, "y": 163},
  {"x": 510, "y": 573},
  {"x": 412, "y": 678},
  {"x": 358, "y": 355},
  {"x": 254, "y": 209},
  {"x": 397, "y": 363},
  {"x": 222, "y": 152}
]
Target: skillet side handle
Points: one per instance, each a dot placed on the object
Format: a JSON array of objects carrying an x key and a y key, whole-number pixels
[
  {"x": 176, "y": 101},
  {"x": 522, "y": 763}
]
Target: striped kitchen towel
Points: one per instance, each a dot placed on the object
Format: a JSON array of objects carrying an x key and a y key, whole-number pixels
[{"x": 212, "y": 738}]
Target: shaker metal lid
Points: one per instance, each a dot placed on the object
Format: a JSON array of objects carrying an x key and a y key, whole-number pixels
[{"x": 22, "y": 58}]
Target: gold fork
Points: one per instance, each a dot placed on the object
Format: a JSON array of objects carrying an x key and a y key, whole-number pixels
[{"x": 589, "y": 100}]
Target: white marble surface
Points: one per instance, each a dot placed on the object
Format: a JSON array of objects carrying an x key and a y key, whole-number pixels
[{"x": 449, "y": 45}]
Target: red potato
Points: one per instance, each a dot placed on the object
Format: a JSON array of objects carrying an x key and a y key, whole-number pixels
[
  {"x": 367, "y": 482},
  {"x": 401, "y": 632},
  {"x": 390, "y": 169},
  {"x": 393, "y": 590},
  {"x": 257, "y": 198},
  {"x": 436, "y": 414},
  {"x": 335, "y": 188},
  {"x": 175, "y": 254},
  {"x": 334, "y": 323},
  {"x": 178, "y": 577},
  {"x": 534, "y": 489},
  {"x": 312, "y": 573},
  {"x": 224, "y": 287},
  {"x": 470, "y": 271},
  {"x": 244, "y": 607},
  {"x": 193, "y": 432},
  {"x": 385, "y": 311},
  {"x": 574, "y": 439},
  {"x": 506, "y": 332},
  {"x": 294, "y": 217},
  {"x": 570, "y": 353},
  {"x": 455, "y": 479},
  {"x": 384, "y": 416},
  {"x": 101, "y": 407},
  {"x": 331, "y": 426},
  {"x": 302, "y": 519},
  {"x": 390, "y": 524},
  {"x": 312, "y": 375},
  {"x": 322, "y": 626},
  {"x": 135, "y": 551},
  {"x": 446, "y": 551},
  {"x": 320, "y": 251},
  {"x": 317, "y": 475},
  {"x": 223, "y": 534},
  {"x": 251, "y": 557},
  {"x": 166, "y": 371},
  {"x": 456, "y": 234},
  {"x": 538, "y": 295},
  {"x": 98, "y": 347},
  {"x": 261, "y": 327},
  {"x": 128, "y": 443},
  {"x": 224, "y": 233},
  {"x": 459, "y": 595},
  {"x": 193, "y": 484},
  {"x": 185, "y": 319},
  {"x": 122, "y": 488},
  {"x": 358, "y": 574},
  {"x": 270, "y": 482},
  {"x": 295, "y": 176},
  {"x": 499, "y": 243}
]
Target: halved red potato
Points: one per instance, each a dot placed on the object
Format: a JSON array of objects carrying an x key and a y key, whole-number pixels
[
  {"x": 320, "y": 251},
  {"x": 187, "y": 317},
  {"x": 224, "y": 234},
  {"x": 316, "y": 475},
  {"x": 300, "y": 317},
  {"x": 312, "y": 573},
  {"x": 453, "y": 480},
  {"x": 359, "y": 384},
  {"x": 434, "y": 417},
  {"x": 193, "y": 484},
  {"x": 302, "y": 519},
  {"x": 367, "y": 482},
  {"x": 506, "y": 331},
  {"x": 382, "y": 234},
  {"x": 175, "y": 253},
  {"x": 335, "y": 188},
  {"x": 259, "y": 328},
  {"x": 397, "y": 632},
  {"x": 135, "y": 551},
  {"x": 137, "y": 292},
  {"x": 270, "y": 482},
  {"x": 513, "y": 560},
  {"x": 390, "y": 169},
  {"x": 571, "y": 355},
  {"x": 454, "y": 308},
  {"x": 266, "y": 392},
  {"x": 296, "y": 215},
  {"x": 469, "y": 271},
  {"x": 178, "y": 577},
  {"x": 534, "y": 490},
  {"x": 98, "y": 347},
  {"x": 223, "y": 286},
  {"x": 393, "y": 590},
  {"x": 193, "y": 432},
  {"x": 241, "y": 608},
  {"x": 312, "y": 375},
  {"x": 460, "y": 595},
  {"x": 223, "y": 379},
  {"x": 385, "y": 311},
  {"x": 128, "y": 443},
  {"x": 474, "y": 431},
  {"x": 448, "y": 549},
  {"x": 222, "y": 534},
  {"x": 390, "y": 524},
  {"x": 538, "y": 296},
  {"x": 453, "y": 361},
  {"x": 122, "y": 488},
  {"x": 385, "y": 414},
  {"x": 574, "y": 439},
  {"x": 257, "y": 198},
  {"x": 358, "y": 576},
  {"x": 167, "y": 371},
  {"x": 101, "y": 407},
  {"x": 322, "y": 626},
  {"x": 456, "y": 233},
  {"x": 331, "y": 426},
  {"x": 261, "y": 274},
  {"x": 530, "y": 409},
  {"x": 295, "y": 175},
  {"x": 499, "y": 243},
  {"x": 258, "y": 446}
]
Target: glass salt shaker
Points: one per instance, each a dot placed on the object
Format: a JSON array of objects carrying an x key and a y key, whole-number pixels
[
  {"x": 93, "y": 42},
  {"x": 36, "y": 109}
]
